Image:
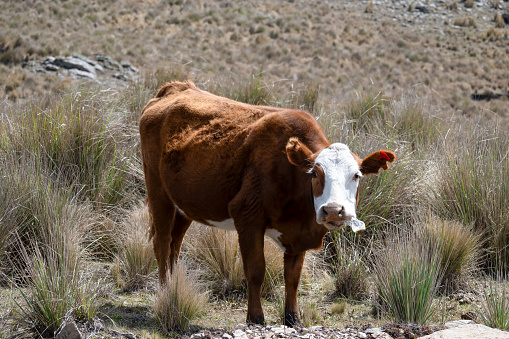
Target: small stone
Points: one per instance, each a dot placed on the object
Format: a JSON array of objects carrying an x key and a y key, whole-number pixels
[
  {"x": 469, "y": 315},
  {"x": 69, "y": 331},
  {"x": 362, "y": 335},
  {"x": 226, "y": 336},
  {"x": 239, "y": 334}
]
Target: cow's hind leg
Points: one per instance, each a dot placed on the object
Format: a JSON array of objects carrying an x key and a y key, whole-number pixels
[
  {"x": 180, "y": 225},
  {"x": 162, "y": 214},
  {"x": 293, "y": 267}
]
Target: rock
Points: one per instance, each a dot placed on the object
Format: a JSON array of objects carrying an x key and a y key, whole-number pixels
[
  {"x": 108, "y": 62},
  {"x": 226, "y": 336},
  {"x": 239, "y": 334},
  {"x": 458, "y": 323},
  {"x": 377, "y": 333},
  {"x": 505, "y": 16},
  {"x": 92, "y": 63},
  {"x": 127, "y": 67},
  {"x": 82, "y": 74},
  {"x": 469, "y": 315},
  {"x": 362, "y": 335},
  {"x": 74, "y": 63},
  {"x": 422, "y": 9},
  {"x": 469, "y": 331},
  {"x": 69, "y": 331}
]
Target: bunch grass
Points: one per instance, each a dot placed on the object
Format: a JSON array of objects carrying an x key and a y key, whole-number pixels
[
  {"x": 179, "y": 301},
  {"x": 407, "y": 276}
]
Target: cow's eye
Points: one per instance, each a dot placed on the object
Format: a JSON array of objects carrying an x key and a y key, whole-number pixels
[
  {"x": 314, "y": 175},
  {"x": 356, "y": 176}
]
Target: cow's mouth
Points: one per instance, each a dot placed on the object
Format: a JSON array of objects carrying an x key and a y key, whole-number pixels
[{"x": 334, "y": 225}]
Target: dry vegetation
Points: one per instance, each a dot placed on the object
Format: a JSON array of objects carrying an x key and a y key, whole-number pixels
[
  {"x": 72, "y": 221},
  {"x": 455, "y": 51}
]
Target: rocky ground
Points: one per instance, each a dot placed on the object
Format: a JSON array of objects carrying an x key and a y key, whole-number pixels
[{"x": 463, "y": 329}]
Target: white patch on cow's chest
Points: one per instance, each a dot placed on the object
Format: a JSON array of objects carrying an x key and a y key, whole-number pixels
[
  {"x": 224, "y": 225},
  {"x": 274, "y": 235}
]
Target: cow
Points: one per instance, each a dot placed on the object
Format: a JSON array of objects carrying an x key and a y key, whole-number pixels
[{"x": 257, "y": 170}]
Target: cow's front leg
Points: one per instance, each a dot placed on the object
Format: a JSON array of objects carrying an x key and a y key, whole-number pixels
[
  {"x": 251, "y": 248},
  {"x": 293, "y": 268}
]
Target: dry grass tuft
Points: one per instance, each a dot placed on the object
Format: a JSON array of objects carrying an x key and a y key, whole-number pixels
[
  {"x": 369, "y": 7},
  {"x": 219, "y": 262},
  {"x": 135, "y": 263},
  {"x": 465, "y": 22},
  {"x": 459, "y": 250},
  {"x": 499, "y": 21},
  {"x": 469, "y": 3},
  {"x": 180, "y": 301},
  {"x": 217, "y": 256},
  {"x": 310, "y": 315}
]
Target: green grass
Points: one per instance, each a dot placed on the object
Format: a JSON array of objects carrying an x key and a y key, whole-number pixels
[
  {"x": 473, "y": 186},
  {"x": 407, "y": 276},
  {"x": 494, "y": 308}
]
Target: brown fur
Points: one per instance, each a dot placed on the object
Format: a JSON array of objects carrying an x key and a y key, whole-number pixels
[{"x": 208, "y": 158}]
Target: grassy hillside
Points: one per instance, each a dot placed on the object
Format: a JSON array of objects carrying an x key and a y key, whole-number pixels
[{"x": 455, "y": 51}]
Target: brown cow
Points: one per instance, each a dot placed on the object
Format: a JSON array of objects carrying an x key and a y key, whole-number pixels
[{"x": 254, "y": 169}]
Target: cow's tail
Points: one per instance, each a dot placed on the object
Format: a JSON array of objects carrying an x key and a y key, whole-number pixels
[{"x": 171, "y": 88}]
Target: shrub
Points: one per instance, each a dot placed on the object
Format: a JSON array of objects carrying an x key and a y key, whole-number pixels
[
  {"x": 179, "y": 301},
  {"x": 407, "y": 276}
]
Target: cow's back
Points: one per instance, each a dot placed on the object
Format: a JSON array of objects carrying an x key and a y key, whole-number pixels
[{"x": 201, "y": 145}]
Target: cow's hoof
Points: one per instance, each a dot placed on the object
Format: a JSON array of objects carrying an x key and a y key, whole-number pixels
[
  {"x": 292, "y": 319},
  {"x": 260, "y": 320}
]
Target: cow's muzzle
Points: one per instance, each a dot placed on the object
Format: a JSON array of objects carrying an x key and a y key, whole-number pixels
[{"x": 333, "y": 215}]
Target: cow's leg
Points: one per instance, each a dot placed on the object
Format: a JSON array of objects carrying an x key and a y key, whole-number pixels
[
  {"x": 251, "y": 248},
  {"x": 162, "y": 213},
  {"x": 180, "y": 225},
  {"x": 247, "y": 214},
  {"x": 293, "y": 267}
]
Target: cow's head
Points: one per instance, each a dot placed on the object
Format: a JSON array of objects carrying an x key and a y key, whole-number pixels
[{"x": 335, "y": 173}]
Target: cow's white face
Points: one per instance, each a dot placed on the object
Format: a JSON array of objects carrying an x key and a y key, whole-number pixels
[
  {"x": 335, "y": 180},
  {"x": 335, "y": 177}
]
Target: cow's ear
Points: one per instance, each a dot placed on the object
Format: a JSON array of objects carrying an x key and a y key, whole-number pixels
[
  {"x": 372, "y": 163},
  {"x": 299, "y": 154}
]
